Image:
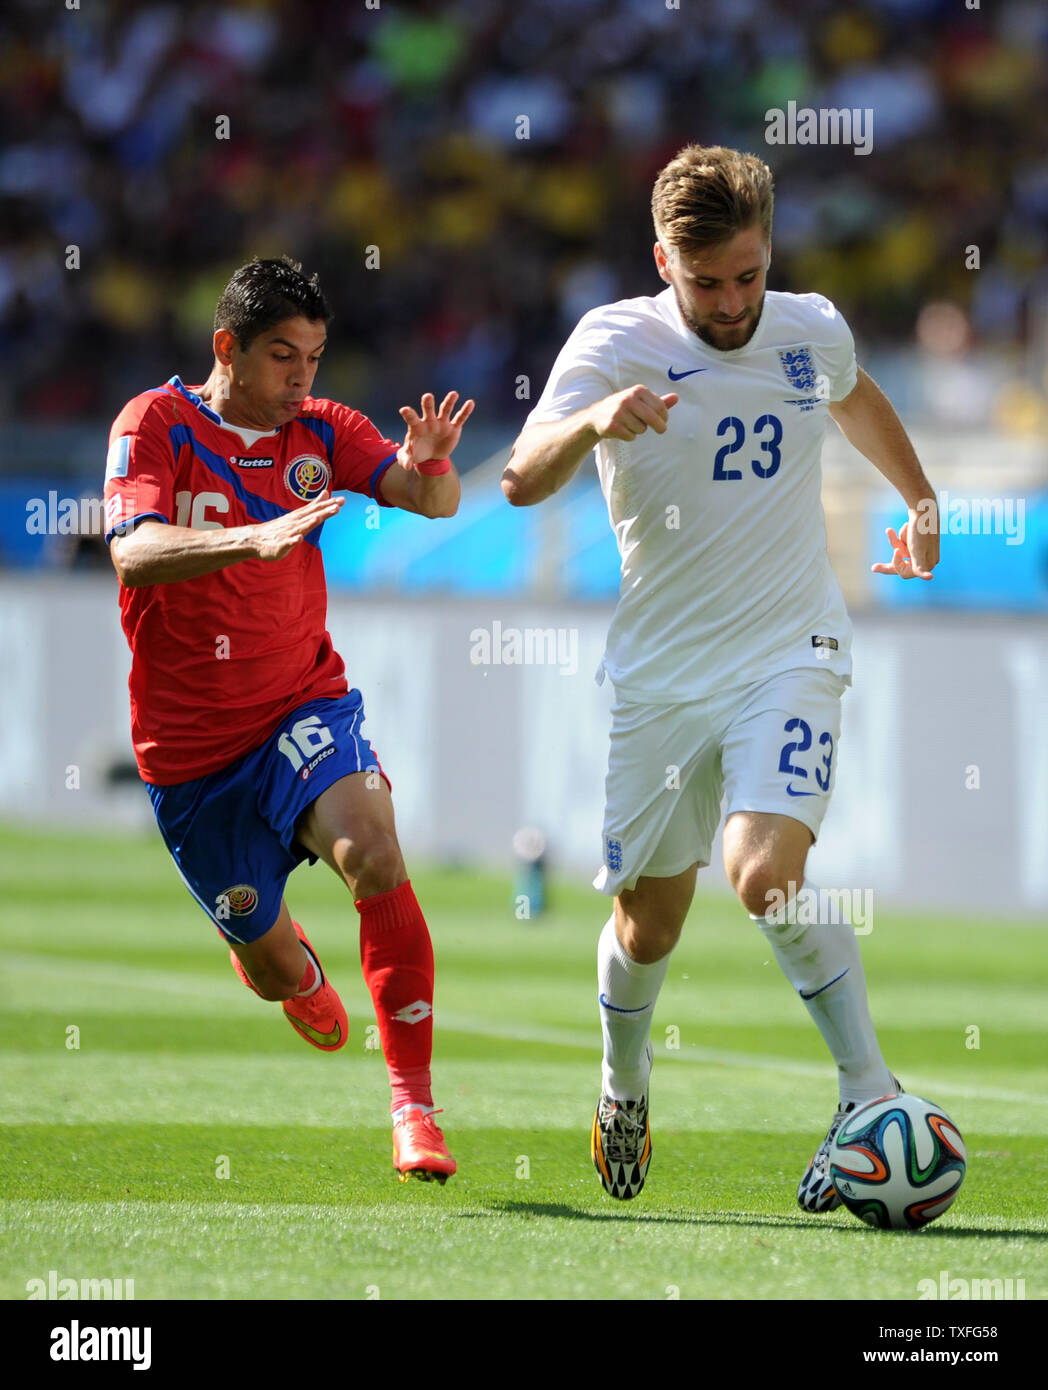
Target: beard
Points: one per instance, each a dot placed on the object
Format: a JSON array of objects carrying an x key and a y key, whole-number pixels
[{"x": 707, "y": 331}]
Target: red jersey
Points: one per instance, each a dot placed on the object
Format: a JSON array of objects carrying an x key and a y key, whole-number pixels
[{"x": 218, "y": 661}]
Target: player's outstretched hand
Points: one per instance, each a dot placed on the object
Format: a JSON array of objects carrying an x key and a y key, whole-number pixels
[
  {"x": 914, "y": 561},
  {"x": 630, "y": 413},
  {"x": 275, "y": 539},
  {"x": 434, "y": 433}
]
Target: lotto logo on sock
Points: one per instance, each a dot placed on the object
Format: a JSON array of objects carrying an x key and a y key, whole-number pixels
[{"x": 414, "y": 1013}]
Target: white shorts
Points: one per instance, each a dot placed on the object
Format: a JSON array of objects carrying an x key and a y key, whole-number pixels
[{"x": 768, "y": 747}]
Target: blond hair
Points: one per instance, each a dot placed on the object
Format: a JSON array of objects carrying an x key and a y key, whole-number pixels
[{"x": 706, "y": 194}]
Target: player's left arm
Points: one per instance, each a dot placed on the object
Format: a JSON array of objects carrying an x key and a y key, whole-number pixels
[
  {"x": 867, "y": 419},
  {"x": 423, "y": 478}
]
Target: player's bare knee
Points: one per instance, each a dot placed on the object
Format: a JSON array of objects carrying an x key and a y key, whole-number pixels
[
  {"x": 761, "y": 885},
  {"x": 373, "y": 865},
  {"x": 649, "y": 949},
  {"x": 647, "y": 942}
]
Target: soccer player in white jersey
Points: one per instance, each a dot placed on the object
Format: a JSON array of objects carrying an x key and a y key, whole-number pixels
[{"x": 729, "y": 651}]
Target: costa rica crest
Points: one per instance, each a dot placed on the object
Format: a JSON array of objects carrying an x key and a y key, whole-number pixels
[
  {"x": 307, "y": 476},
  {"x": 240, "y": 900}
]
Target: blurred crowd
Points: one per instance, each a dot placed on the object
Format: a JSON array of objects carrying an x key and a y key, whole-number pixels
[{"x": 380, "y": 144}]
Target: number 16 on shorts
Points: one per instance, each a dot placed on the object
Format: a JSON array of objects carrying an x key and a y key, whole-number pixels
[{"x": 306, "y": 744}]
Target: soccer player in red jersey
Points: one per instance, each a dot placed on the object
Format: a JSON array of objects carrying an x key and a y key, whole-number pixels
[{"x": 246, "y": 731}]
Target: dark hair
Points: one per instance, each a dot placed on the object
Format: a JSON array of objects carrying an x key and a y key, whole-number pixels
[{"x": 264, "y": 293}]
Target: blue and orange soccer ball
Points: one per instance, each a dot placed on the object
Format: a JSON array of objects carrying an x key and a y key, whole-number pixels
[{"x": 898, "y": 1163}]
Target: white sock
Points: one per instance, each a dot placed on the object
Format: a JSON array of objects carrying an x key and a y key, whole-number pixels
[
  {"x": 398, "y": 1115},
  {"x": 821, "y": 960},
  {"x": 318, "y": 977},
  {"x": 627, "y": 992}
]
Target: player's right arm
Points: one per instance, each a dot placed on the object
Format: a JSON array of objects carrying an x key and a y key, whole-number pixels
[
  {"x": 146, "y": 543},
  {"x": 156, "y": 552},
  {"x": 547, "y": 454}
]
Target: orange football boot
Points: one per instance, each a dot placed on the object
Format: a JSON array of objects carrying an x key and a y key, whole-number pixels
[
  {"x": 321, "y": 1018},
  {"x": 419, "y": 1150}
]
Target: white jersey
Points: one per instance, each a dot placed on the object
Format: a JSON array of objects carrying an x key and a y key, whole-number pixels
[{"x": 719, "y": 521}]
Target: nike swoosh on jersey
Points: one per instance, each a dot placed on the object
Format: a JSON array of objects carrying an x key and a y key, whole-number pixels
[
  {"x": 825, "y": 986},
  {"x": 679, "y": 376},
  {"x": 791, "y": 792}
]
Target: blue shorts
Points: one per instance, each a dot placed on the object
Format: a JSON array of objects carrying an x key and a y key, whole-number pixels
[{"x": 232, "y": 833}]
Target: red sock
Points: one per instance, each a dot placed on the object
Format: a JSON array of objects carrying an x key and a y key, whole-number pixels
[{"x": 396, "y": 955}]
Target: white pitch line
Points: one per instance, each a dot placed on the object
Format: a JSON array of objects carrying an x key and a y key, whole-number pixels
[
  {"x": 138, "y": 977},
  {"x": 465, "y": 1023},
  {"x": 125, "y": 977}
]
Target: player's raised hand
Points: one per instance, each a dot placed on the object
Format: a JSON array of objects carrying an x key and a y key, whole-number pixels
[
  {"x": 434, "y": 433},
  {"x": 911, "y": 558},
  {"x": 275, "y": 539},
  {"x": 630, "y": 413},
  {"x": 923, "y": 537}
]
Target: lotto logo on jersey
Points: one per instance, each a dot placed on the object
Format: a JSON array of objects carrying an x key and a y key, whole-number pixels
[
  {"x": 799, "y": 368},
  {"x": 307, "y": 476},
  {"x": 240, "y": 900},
  {"x": 614, "y": 855}
]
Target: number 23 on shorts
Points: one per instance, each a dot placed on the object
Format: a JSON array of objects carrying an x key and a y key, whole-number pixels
[{"x": 821, "y": 771}]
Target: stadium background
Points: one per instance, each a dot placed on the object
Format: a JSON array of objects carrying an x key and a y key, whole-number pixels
[
  {"x": 353, "y": 128},
  {"x": 382, "y": 148}
]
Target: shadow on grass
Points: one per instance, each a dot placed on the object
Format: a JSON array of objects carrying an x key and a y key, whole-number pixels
[
  {"x": 290, "y": 1164},
  {"x": 562, "y": 1211}
]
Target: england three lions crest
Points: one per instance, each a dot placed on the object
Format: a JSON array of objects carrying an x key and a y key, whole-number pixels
[{"x": 799, "y": 368}]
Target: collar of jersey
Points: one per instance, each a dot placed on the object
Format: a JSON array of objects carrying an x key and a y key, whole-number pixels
[
  {"x": 177, "y": 384},
  {"x": 717, "y": 353}
]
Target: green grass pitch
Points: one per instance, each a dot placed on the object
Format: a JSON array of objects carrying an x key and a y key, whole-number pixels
[{"x": 114, "y": 1150}]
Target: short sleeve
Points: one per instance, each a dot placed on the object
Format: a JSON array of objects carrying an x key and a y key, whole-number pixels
[
  {"x": 838, "y": 352},
  {"x": 360, "y": 453},
  {"x": 586, "y": 370},
  {"x": 140, "y": 471}
]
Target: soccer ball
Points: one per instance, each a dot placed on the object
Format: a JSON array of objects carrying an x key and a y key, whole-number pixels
[{"x": 897, "y": 1163}]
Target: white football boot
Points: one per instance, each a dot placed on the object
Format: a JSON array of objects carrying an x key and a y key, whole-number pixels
[
  {"x": 620, "y": 1143},
  {"x": 816, "y": 1192}
]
